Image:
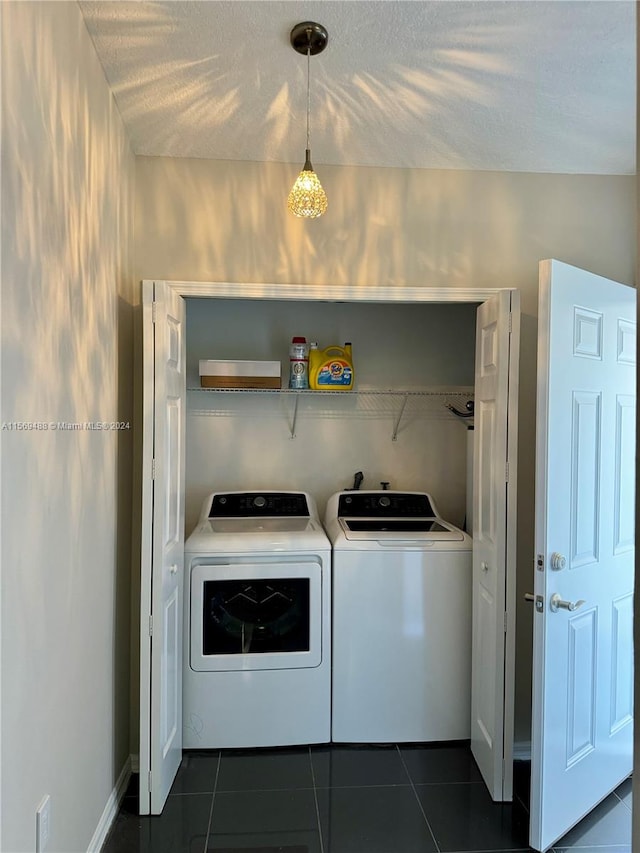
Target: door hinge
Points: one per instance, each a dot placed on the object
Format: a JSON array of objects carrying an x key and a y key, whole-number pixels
[
  {"x": 150, "y": 788},
  {"x": 506, "y": 619},
  {"x": 510, "y": 322},
  {"x": 151, "y": 626},
  {"x": 154, "y": 312},
  {"x": 153, "y": 469},
  {"x": 506, "y": 472}
]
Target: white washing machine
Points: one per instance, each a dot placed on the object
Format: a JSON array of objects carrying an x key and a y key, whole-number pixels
[
  {"x": 401, "y": 620},
  {"x": 257, "y": 668}
]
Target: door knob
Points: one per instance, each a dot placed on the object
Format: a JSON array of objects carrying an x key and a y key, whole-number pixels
[
  {"x": 558, "y": 561},
  {"x": 556, "y": 603}
]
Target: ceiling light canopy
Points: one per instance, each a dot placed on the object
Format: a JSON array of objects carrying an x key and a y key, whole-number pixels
[{"x": 307, "y": 199}]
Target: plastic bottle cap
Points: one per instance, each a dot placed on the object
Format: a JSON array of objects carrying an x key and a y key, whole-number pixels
[{"x": 298, "y": 340}]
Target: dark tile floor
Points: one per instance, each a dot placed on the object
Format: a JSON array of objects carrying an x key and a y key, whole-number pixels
[{"x": 348, "y": 799}]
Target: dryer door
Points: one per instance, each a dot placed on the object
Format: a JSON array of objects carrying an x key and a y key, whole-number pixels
[{"x": 249, "y": 616}]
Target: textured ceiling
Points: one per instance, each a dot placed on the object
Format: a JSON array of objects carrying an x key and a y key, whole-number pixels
[{"x": 520, "y": 85}]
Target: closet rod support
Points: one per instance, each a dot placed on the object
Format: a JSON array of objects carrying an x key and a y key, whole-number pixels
[
  {"x": 399, "y": 418},
  {"x": 296, "y": 397}
]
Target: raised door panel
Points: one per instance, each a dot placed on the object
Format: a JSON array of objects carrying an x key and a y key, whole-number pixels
[
  {"x": 173, "y": 454},
  {"x": 171, "y": 661},
  {"x": 581, "y": 686},
  {"x": 621, "y": 691},
  {"x": 585, "y": 477},
  {"x": 624, "y": 494}
]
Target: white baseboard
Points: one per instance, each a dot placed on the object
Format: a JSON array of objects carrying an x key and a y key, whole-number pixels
[
  {"x": 522, "y": 750},
  {"x": 111, "y": 809}
]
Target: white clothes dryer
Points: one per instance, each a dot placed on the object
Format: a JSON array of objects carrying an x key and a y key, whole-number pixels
[
  {"x": 401, "y": 619},
  {"x": 257, "y": 626}
]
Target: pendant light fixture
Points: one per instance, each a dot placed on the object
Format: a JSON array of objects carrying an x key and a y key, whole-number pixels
[{"x": 307, "y": 199}]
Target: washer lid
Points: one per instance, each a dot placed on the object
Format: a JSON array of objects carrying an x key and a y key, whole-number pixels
[
  {"x": 395, "y": 525},
  {"x": 257, "y": 525},
  {"x": 400, "y": 530},
  {"x": 252, "y": 535}
]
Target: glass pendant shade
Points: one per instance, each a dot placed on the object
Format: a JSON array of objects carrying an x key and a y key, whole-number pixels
[{"x": 307, "y": 199}]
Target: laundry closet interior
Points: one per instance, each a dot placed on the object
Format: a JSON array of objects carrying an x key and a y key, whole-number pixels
[{"x": 243, "y": 439}]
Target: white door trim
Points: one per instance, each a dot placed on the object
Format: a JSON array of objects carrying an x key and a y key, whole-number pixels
[
  {"x": 329, "y": 293},
  {"x": 299, "y": 292},
  {"x": 146, "y": 547}
]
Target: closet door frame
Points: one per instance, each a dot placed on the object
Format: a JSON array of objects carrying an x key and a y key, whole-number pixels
[{"x": 342, "y": 293}]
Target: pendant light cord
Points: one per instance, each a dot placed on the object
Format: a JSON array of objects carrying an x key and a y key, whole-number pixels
[{"x": 308, "y": 87}]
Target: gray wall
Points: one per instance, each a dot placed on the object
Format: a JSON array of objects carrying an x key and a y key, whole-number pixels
[{"x": 67, "y": 332}]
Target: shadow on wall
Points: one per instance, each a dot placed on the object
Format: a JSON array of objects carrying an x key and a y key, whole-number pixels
[
  {"x": 441, "y": 104},
  {"x": 67, "y": 173},
  {"x": 206, "y": 220},
  {"x": 226, "y": 219},
  {"x": 222, "y": 221}
]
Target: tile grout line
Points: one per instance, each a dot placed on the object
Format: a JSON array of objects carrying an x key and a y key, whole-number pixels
[
  {"x": 415, "y": 794},
  {"x": 315, "y": 799},
  {"x": 623, "y": 802},
  {"x": 213, "y": 799},
  {"x": 262, "y": 790}
]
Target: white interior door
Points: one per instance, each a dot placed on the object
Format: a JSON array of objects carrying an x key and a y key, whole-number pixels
[
  {"x": 494, "y": 540},
  {"x": 162, "y": 569},
  {"x": 585, "y": 480}
]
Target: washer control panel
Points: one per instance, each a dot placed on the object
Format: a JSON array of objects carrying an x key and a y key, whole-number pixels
[
  {"x": 385, "y": 504},
  {"x": 251, "y": 504}
]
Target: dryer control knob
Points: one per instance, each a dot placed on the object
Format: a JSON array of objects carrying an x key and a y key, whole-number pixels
[
  {"x": 385, "y": 501},
  {"x": 260, "y": 501}
]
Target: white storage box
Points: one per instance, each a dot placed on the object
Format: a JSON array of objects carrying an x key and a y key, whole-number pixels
[{"x": 227, "y": 373}]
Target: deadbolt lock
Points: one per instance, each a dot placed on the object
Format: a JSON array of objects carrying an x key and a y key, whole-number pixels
[{"x": 538, "y": 600}]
